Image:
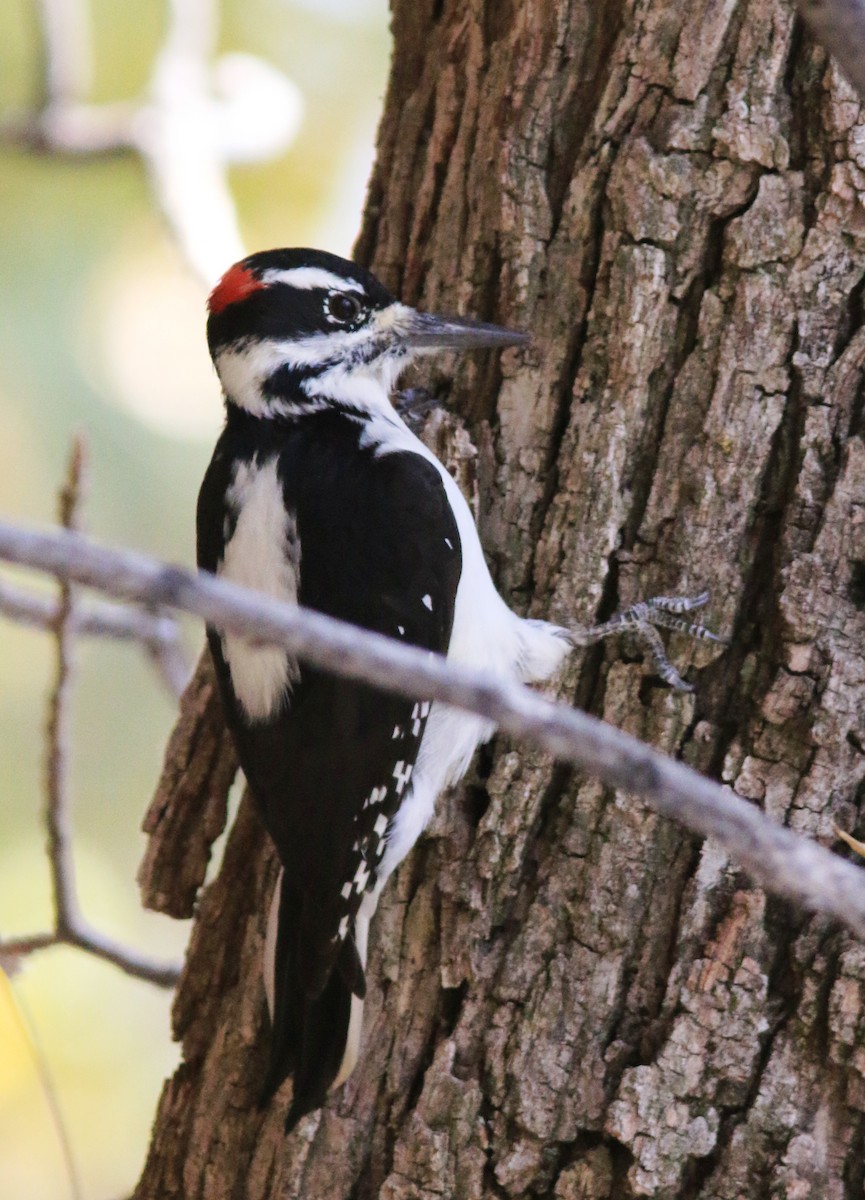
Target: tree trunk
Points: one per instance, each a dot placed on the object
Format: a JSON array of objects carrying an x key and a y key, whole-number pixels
[{"x": 570, "y": 996}]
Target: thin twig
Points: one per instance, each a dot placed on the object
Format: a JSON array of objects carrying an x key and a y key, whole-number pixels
[
  {"x": 57, "y": 814},
  {"x": 12, "y": 949},
  {"x": 158, "y": 633},
  {"x": 70, "y": 926},
  {"x": 30, "y": 1037},
  {"x": 83, "y": 937},
  {"x": 776, "y": 858}
]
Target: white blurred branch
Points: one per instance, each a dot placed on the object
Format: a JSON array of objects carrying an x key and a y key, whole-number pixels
[
  {"x": 776, "y": 858},
  {"x": 65, "y": 49},
  {"x": 197, "y": 118}
]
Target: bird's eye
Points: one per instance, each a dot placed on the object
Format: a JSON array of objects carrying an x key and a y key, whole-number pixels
[{"x": 343, "y": 308}]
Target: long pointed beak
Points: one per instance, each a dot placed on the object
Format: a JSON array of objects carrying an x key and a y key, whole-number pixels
[{"x": 423, "y": 331}]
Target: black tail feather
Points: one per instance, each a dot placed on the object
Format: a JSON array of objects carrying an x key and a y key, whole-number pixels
[
  {"x": 309, "y": 1033},
  {"x": 325, "y": 1032}
]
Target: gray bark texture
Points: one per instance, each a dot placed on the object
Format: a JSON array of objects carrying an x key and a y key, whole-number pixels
[{"x": 570, "y": 997}]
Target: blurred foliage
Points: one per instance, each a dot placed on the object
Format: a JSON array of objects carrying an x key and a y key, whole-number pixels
[{"x": 102, "y": 330}]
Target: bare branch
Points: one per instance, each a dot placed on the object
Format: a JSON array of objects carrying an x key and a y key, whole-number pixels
[
  {"x": 12, "y": 949},
  {"x": 159, "y": 634},
  {"x": 70, "y": 926},
  {"x": 84, "y": 937},
  {"x": 840, "y": 26},
  {"x": 775, "y": 857},
  {"x": 57, "y": 814}
]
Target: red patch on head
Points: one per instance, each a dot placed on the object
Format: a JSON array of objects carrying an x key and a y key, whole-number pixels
[{"x": 237, "y": 283}]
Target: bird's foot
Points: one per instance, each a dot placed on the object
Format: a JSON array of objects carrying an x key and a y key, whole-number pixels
[{"x": 643, "y": 620}]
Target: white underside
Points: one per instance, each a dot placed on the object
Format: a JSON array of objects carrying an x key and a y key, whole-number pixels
[{"x": 485, "y": 634}]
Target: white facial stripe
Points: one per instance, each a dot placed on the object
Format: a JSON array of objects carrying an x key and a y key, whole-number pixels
[
  {"x": 364, "y": 388},
  {"x": 245, "y": 367},
  {"x": 307, "y": 278},
  {"x": 251, "y": 363},
  {"x": 242, "y": 370}
]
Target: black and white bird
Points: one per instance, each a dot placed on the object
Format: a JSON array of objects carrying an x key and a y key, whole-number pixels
[{"x": 319, "y": 494}]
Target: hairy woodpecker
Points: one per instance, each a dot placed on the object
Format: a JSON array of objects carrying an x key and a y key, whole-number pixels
[{"x": 319, "y": 494}]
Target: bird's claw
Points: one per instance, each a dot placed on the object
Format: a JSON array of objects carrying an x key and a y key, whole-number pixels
[{"x": 643, "y": 620}]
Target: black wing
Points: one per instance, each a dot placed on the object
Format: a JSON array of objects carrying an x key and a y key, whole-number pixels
[{"x": 379, "y": 547}]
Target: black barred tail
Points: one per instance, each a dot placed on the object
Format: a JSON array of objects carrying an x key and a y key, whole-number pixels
[{"x": 315, "y": 1034}]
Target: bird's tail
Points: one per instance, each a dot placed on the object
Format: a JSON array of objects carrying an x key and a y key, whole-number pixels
[{"x": 315, "y": 1034}]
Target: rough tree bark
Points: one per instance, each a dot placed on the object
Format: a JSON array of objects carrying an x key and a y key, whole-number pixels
[{"x": 571, "y": 997}]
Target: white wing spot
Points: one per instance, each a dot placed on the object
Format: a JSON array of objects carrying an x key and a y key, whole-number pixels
[
  {"x": 427, "y": 601},
  {"x": 361, "y": 876},
  {"x": 343, "y": 928},
  {"x": 380, "y": 825},
  {"x": 449, "y": 544},
  {"x": 397, "y": 732},
  {"x": 402, "y": 774},
  {"x": 424, "y": 709},
  {"x": 401, "y": 629},
  {"x": 375, "y": 797},
  {"x": 346, "y": 891}
]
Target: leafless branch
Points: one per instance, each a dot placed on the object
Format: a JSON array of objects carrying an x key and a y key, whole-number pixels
[
  {"x": 196, "y": 118},
  {"x": 776, "y": 858},
  {"x": 57, "y": 814},
  {"x": 840, "y": 26},
  {"x": 159, "y": 634},
  {"x": 70, "y": 926},
  {"x": 83, "y": 937}
]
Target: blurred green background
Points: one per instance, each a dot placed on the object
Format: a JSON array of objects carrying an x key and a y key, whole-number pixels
[{"x": 102, "y": 331}]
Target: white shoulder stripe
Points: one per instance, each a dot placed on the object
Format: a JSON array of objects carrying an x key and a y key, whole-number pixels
[{"x": 262, "y": 553}]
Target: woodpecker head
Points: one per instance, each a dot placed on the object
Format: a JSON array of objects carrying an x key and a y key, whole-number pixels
[{"x": 288, "y": 328}]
